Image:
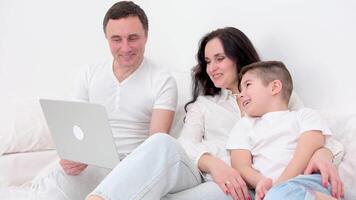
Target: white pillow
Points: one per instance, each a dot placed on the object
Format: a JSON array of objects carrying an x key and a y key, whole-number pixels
[
  {"x": 7, "y": 120},
  {"x": 348, "y": 164},
  {"x": 24, "y": 129},
  {"x": 343, "y": 127}
]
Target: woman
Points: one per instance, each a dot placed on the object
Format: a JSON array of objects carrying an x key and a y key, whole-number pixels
[{"x": 198, "y": 166}]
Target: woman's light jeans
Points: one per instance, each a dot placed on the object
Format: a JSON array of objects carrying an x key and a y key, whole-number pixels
[{"x": 158, "y": 169}]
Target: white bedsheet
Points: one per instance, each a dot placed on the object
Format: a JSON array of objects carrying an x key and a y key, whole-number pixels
[{"x": 18, "y": 168}]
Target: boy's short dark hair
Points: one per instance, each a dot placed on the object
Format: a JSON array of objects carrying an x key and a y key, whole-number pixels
[
  {"x": 269, "y": 71},
  {"x": 123, "y": 9}
]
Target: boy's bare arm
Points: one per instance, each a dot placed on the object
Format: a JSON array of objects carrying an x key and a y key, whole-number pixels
[
  {"x": 241, "y": 160},
  {"x": 308, "y": 143}
]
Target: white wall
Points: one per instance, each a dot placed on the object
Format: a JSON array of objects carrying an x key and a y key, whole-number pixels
[{"x": 43, "y": 43}]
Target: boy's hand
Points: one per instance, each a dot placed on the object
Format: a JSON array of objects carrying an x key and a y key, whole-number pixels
[
  {"x": 72, "y": 168},
  {"x": 262, "y": 188}
]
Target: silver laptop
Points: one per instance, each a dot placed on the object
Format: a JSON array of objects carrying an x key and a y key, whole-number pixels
[{"x": 81, "y": 132}]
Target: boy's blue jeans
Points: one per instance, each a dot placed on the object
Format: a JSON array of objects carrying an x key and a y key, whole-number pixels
[{"x": 302, "y": 187}]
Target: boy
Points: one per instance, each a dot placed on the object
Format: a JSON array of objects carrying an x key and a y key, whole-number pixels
[{"x": 272, "y": 145}]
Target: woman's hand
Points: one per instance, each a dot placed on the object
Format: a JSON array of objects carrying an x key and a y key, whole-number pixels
[
  {"x": 229, "y": 180},
  {"x": 72, "y": 168},
  {"x": 322, "y": 162},
  {"x": 262, "y": 188}
]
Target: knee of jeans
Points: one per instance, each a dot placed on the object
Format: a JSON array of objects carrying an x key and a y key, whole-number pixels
[
  {"x": 164, "y": 145},
  {"x": 162, "y": 140}
]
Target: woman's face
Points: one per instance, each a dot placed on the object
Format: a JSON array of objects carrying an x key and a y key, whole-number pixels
[{"x": 220, "y": 68}]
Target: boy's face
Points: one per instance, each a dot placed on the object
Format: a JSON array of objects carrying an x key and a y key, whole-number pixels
[{"x": 255, "y": 96}]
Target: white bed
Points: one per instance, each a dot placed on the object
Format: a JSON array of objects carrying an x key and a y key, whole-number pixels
[
  {"x": 19, "y": 168},
  {"x": 26, "y": 147}
]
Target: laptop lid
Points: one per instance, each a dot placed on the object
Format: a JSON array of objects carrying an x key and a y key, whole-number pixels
[{"x": 81, "y": 132}]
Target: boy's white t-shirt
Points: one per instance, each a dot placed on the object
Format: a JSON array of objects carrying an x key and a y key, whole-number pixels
[
  {"x": 272, "y": 139},
  {"x": 129, "y": 103}
]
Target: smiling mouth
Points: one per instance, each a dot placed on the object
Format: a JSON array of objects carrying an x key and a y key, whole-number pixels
[
  {"x": 127, "y": 57},
  {"x": 216, "y": 76}
]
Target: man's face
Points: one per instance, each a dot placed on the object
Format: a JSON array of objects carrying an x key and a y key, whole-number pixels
[{"x": 127, "y": 40}]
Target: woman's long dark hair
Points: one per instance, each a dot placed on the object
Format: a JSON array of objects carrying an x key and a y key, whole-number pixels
[{"x": 237, "y": 47}]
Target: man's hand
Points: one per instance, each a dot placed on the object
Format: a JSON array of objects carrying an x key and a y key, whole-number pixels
[
  {"x": 72, "y": 168},
  {"x": 262, "y": 188}
]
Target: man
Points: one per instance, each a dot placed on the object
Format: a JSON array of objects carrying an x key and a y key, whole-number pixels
[{"x": 139, "y": 97}]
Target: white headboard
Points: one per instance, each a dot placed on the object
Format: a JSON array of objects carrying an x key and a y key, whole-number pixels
[{"x": 43, "y": 43}]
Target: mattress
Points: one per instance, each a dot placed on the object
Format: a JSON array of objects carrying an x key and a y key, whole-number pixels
[{"x": 18, "y": 168}]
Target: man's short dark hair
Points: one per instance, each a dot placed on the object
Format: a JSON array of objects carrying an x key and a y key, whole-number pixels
[{"x": 123, "y": 9}]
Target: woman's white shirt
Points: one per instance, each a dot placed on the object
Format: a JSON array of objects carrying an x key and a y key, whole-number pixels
[{"x": 207, "y": 125}]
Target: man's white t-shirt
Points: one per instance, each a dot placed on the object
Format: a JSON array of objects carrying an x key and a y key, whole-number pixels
[
  {"x": 272, "y": 139},
  {"x": 129, "y": 104}
]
